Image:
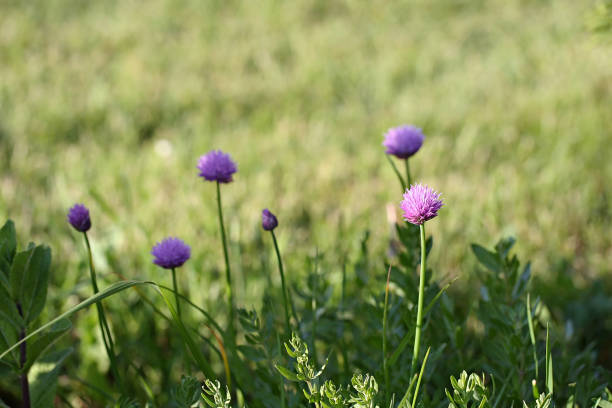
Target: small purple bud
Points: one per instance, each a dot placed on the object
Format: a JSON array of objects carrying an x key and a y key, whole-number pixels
[
  {"x": 78, "y": 217},
  {"x": 403, "y": 141},
  {"x": 420, "y": 204},
  {"x": 268, "y": 220},
  {"x": 217, "y": 166},
  {"x": 171, "y": 253}
]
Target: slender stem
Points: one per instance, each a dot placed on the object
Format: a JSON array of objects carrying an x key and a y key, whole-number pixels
[
  {"x": 384, "y": 341},
  {"x": 176, "y": 293},
  {"x": 282, "y": 379},
  {"x": 419, "y": 321},
  {"x": 408, "y": 179},
  {"x": 228, "y": 275},
  {"x": 314, "y": 308},
  {"x": 104, "y": 328},
  {"x": 25, "y": 385},
  {"x": 397, "y": 173},
  {"x": 342, "y": 308},
  {"x": 282, "y": 274}
]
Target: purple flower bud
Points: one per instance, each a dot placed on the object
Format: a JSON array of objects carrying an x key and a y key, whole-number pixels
[
  {"x": 420, "y": 204},
  {"x": 78, "y": 217},
  {"x": 217, "y": 166},
  {"x": 403, "y": 141},
  {"x": 268, "y": 220},
  {"x": 171, "y": 253}
]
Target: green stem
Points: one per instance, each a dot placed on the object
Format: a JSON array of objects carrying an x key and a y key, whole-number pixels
[
  {"x": 408, "y": 179},
  {"x": 282, "y": 274},
  {"x": 419, "y": 321},
  {"x": 384, "y": 341},
  {"x": 228, "y": 275},
  {"x": 176, "y": 293},
  {"x": 282, "y": 379},
  {"x": 396, "y": 171},
  {"x": 104, "y": 328}
]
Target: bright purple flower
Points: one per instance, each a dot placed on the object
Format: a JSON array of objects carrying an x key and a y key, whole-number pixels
[
  {"x": 217, "y": 166},
  {"x": 78, "y": 217},
  {"x": 403, "y": 141},
  {"x": 420, "y": 204},
  {"x": 171, "y": 253},
  {"x": 268, "y": 220}
]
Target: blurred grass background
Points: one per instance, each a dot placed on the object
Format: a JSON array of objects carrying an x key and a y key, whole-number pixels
[{"x": 111, "y": 103}]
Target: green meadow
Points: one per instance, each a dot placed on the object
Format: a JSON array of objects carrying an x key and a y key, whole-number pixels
[{"x": 110, "y": 104}]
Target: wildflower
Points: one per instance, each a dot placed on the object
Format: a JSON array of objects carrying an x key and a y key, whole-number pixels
[
  {"x": 403, "y": 141},
  {"x": 217, "y": 166},
  {"x": 420, "y": 204},
  {"x": 78, "y": 217},
  {"x": 171, "y": 253},
  {"x": 268, "y": 220}
]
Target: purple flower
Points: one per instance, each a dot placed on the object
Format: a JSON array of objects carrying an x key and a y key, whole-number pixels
[
  {"x": 217, "y": 166},
  {"x": 171, "y": 253},
  {"x": 78, "y": 217},
  {"x": 268, "y": 220},
  {"x": 420, "y": 204},
  {"x": 403, "y": 141}
]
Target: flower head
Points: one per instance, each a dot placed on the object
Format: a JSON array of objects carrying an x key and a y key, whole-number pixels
[
  {"x": 217, "y": 166},
  {"x": 78, "y": 217},
  {"x": 171, "y": 253},
  {"x": 403, "y": 141},
  {"x": 420, "y": 204},
  {"x": 268, "y": 220}
]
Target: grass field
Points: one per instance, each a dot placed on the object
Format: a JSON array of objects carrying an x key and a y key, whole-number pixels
[{"x": 111, "y": 104}]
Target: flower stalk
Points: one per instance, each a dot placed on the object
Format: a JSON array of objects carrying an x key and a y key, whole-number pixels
[
  {"x": 104, "y": 328},
  {"x": 419, "y": 319},
  {"x": 228, "y": 274}
]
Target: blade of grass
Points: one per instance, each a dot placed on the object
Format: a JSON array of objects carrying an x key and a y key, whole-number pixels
[
  {"x": 111, "y": 290},
  {"x": 416, "y": 390},
  {"x": 532, "y": 335},
  {"x": 549, "y": 364}
]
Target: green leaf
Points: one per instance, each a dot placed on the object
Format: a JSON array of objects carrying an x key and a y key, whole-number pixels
[
  {"x": 487, "y": 258},
  {"x": 8, "y": 246},
  {"x": 43, "y": 377},
  {"x": 285, "y": 372},
  {"x": 8, "y": 336},
  {"x": 186, "y": 393},
  {"x": 39, "y": 346},
  {"x": 604, "y": 404},
  {"x": 8, "y": 310},
  {"x": 29, "y": 278}
]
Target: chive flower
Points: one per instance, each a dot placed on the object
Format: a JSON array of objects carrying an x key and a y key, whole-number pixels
[
  {"x": 420, "y": 204},
  {"x": 403, "y": 141},
  {"x": 268, "y": 220},
  {"x": 217, "y": 166},
  {"x": 78, "y": 217},
  {"x": 170, "y": 253}
]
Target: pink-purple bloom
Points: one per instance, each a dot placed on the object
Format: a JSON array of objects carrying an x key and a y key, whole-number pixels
[
  {"x": 217, "y": 166},
  {"x": 420, "y": 204},
  {"x": 403, "y": 141},
  {"x": 171, "y": 253},
  {"x": 268, "y": 220},
  {"x": 78, "y": 217}
]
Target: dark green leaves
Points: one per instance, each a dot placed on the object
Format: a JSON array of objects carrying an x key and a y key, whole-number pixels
[
  {"x": 8, "y": 246},
  {"x": 29, "y": 277},
  {"x": 487, "y": 258}
]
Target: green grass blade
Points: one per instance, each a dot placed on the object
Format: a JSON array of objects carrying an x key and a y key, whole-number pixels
[
  {"x": 111, "y": 290},
  {"x": 549, "y": 364},
  {"x": 416, "y": 390},
  {"x": 532, "y": 335}
]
